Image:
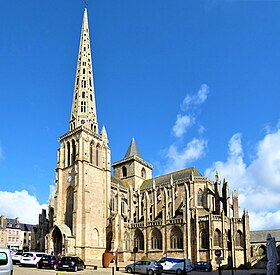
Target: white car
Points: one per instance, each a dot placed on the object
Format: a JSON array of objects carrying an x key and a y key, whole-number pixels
[
  {"x": 16, "y": 257},
  {"x": 31, "y": 258}
]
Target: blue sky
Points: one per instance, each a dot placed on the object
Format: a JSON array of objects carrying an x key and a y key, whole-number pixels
[{"x": 196, "y": 83}]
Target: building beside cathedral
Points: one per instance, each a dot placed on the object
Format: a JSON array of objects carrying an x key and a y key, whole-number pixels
[{"x": 181, "y": 214}]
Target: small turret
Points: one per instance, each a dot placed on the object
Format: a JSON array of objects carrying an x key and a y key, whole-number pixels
[
  {"x": 104, "y": 135},
  {"x": 217, "y": 194},
  {"x": 225, "y": 198},
  {"x": 235, "y": 204}
]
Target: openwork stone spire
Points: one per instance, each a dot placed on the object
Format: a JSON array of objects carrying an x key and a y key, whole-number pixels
[{"x": 83, "y": 105}]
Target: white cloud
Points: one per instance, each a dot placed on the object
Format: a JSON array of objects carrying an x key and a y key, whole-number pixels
[
  {"x": 187, "y": 117},
  {"x": 192, "y": 101},
  {"x": 52, "y": 190},
  {"x": 258, "y": 183},
  {"x": 234, "y": 168},
  {"x": 20, "y": 204},
  {"x": 179, "y": 159},
  {"x": 178, "y": 156},
  {"x": 181, "y": 125}
]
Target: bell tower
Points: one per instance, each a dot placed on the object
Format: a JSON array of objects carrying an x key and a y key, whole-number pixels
[
  {"x": 83, "y": 174},
  {"x": 132, "y": 168}
]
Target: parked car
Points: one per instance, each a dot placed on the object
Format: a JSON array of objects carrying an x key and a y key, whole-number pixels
[
  {"x": 204, "y": 266},
  {"x": 6, "y": 262},
  {"x": 49, "y": 261},
  {"x": 31, "y": 258},
  {"x": 70, "y": 263},
  {"x": 145, "y": 267},
  {"x": 16, "y": 257},
  {"x": 175, "y": 265}
]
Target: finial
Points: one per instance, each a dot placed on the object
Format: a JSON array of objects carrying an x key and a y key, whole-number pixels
[{"x": 217, "y": 176}]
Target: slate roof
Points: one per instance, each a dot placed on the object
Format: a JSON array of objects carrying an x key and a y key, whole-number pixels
[
  {"x": 132, "y": 150},
  {"x": 118, "y": 181},
  {"x": 181, "y": 174},
  {"x": 260, "y": 235},
  {"x": 11, "y": 223}
]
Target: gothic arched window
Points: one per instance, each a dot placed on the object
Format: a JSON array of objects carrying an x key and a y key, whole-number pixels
[
  {"x": 91, "y": 152},
  {"x": 156, "y": 240},
  {"x": 139, "y": 239},
  {"x": 176, "y": 238},
  {"x": 112, "y": 204},
  {"x": 69, "y": 207},
  {"x": 68, "y": 154},
  {"x": 126, "y": 241},
  {"x": 97, "y": 155},
  {"x": 239, "y": 239},
  {"x": 199, "y": 197},
  {"x": 73, "y": 151},
  {"x": 204, "y": 241},
  {"x": 217, "y": 238}
]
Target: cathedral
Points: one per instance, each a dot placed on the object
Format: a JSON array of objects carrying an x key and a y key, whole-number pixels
[{"x": 99, "y": 206}]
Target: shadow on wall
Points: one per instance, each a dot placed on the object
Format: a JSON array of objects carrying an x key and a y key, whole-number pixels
[{"x": 259, "y": 259}]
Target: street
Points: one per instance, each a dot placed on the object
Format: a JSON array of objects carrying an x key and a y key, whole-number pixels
[{"x": 18, "y": 270}]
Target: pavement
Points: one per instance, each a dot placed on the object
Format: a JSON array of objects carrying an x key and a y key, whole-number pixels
[{"x": 18, "y": 270}]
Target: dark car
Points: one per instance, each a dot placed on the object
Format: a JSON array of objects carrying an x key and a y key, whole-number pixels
[
  {"x": 70, "y": 263},
  {"x": 145, "y": 267},
  {"x": 203, "y": 266},
  {"x": 48, "y": 261}
]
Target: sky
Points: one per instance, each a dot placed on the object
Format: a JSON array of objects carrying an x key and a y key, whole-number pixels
[{"x": 195, "y": 82}]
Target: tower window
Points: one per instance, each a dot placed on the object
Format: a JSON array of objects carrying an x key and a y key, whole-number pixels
[
  {"x": 84, "y": 84},
  {"x": 77, "y": 83},
  {"x": 143, "y": 173},
  {"x": 91, "y": 152},
  {"x": 83, "y": 106},
  {"x": 73, "y": 151},
  {"x": 83, "y": 94},
  {"x": 97, "y": 155},
  {"x": 124, "y": 171},
  {"x": 90, "y": 82},
  {"x": 84, "y": 71},
  {"x": 68, "y": 154},
  {"x": 90, "y": 97},
  {"x": 84, "y": 63}
]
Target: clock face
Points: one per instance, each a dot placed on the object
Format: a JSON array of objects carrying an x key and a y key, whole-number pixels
[
  {"x": 69, "y": 179},
  {"x": 83, "y": 121}
]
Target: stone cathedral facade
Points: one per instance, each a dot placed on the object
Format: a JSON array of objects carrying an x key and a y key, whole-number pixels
[{"x": 181, "y": 214}]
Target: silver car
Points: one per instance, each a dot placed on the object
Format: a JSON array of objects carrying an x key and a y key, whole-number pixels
[{"x": 149, "y": 267}]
